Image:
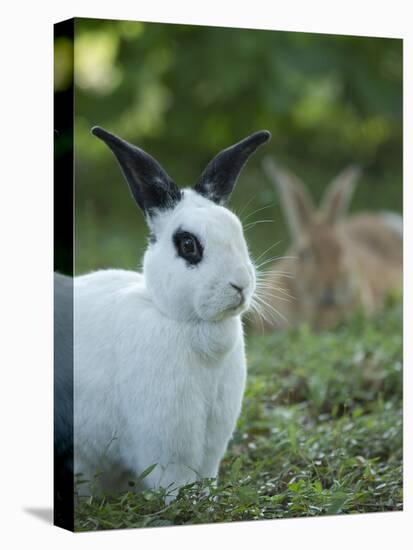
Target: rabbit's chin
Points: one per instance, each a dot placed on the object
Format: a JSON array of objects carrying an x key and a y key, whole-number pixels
[{"x": 225, "y": 313}]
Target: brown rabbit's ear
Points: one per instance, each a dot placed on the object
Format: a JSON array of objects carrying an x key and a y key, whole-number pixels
[
  {"x": 339, "y": 193},
  {"x": 296, "y": 202}
]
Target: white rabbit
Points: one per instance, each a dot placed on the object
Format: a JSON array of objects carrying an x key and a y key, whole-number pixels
[{"x": 159, "y": 356}]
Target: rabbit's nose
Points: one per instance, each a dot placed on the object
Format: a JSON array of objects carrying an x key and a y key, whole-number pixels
[{"x": 240, "y": 289}]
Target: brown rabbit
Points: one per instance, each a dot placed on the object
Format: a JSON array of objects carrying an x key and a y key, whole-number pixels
[{"x": 335, "y": 263}]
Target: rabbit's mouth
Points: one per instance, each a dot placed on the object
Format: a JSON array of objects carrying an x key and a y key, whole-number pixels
[
  {"x": 232, "y": 310},
  {"x": 224, "y": 301},
  {"x": 240, "y": 307},
  {"x": 241, "y": 302}
]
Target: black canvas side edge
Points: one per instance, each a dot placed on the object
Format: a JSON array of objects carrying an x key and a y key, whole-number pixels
[{"x": 63, "y": 487}]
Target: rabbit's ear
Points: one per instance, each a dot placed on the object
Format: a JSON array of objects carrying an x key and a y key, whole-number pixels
[
  {"x": 219, "y": 177},
  {"x": 296, "y": 202},
  {"x": 339, "y": 193},
  {"x": 150, "y": 185}
]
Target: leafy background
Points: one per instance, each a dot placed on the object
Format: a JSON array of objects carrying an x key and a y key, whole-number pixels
[{"x": 184, "y": 92}]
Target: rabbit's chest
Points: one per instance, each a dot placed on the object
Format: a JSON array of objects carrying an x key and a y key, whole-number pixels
[
  {"x": 217, "y": 391},
  {"x": 205, "y": 388},
  {"x": 181, "y": 395}
]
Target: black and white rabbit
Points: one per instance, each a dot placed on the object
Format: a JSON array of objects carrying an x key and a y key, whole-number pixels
[{"x": 159, "y": 356}]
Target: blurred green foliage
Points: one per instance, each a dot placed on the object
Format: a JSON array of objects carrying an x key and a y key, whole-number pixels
[{"x": 184, "y": 92}]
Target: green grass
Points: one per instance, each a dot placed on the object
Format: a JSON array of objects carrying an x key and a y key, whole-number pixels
[{"x": 320, "y": 433}]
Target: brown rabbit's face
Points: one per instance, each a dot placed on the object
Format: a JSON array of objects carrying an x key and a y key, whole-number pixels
[{"x": 323, "y": 275}]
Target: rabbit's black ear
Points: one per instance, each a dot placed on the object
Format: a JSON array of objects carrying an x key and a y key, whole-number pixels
[
  {"x": 219, "y": 177},
  {"x": 148, "y": 182}
]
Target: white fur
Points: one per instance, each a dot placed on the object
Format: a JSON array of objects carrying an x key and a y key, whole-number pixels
[{"x": 159, "y": 357}]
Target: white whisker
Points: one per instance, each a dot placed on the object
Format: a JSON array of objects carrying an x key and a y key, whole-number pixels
[
  {"x": 272, "y": 308},
  {"x": 274, "y": 259},
  {"x": 255, "y": 212},
  {"x": 245, "y": 207},
  {"x": 253, "y": 224},
  {"x": 265, "y": 251}
]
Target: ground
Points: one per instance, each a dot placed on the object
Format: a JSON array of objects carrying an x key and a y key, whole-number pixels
[{"x": 320, "y": 433}]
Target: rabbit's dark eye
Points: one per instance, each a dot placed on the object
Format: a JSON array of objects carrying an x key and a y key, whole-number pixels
[{"x": 188, "y": 247}]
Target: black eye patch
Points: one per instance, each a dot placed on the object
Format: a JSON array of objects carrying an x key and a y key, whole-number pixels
[{"x": 188, "y": 247}]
